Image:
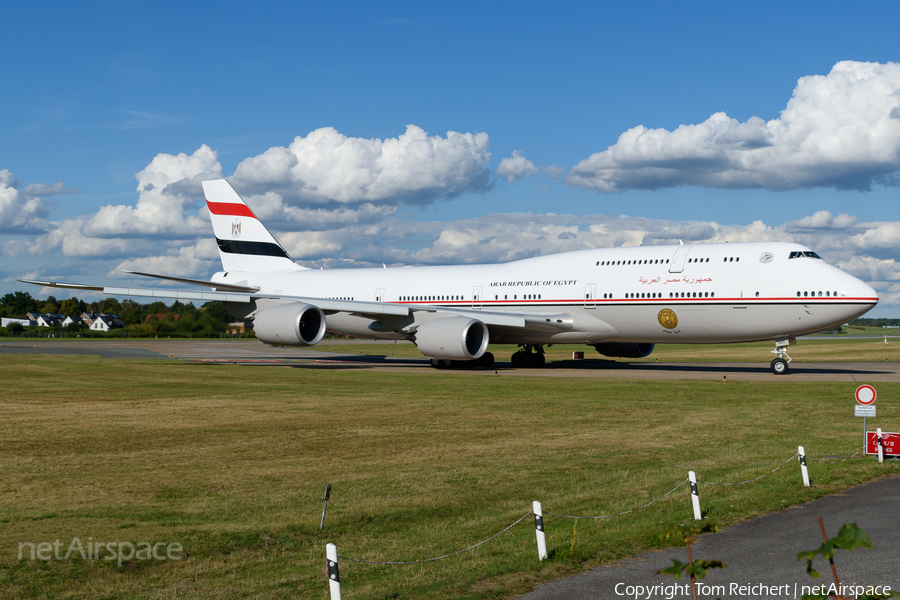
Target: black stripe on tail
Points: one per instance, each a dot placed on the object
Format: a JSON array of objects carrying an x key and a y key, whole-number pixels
[{"x": 254, "y": 248}]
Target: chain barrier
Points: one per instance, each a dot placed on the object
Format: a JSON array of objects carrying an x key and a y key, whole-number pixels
[
  {"x": 833, "y": 462},
  {"x": 547, "y": 512},
  {"x": 755, "y": 478},
  {"x": 423, "y": 560}
]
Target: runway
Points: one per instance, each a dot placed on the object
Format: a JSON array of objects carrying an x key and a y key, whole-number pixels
[{"x": 253, "y": 353}]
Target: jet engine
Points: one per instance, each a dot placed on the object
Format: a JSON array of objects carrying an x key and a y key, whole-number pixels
[
  {"x": 620, "y": 350},
  {"x": 455, "y": 338},
  {"x": 291, "y": 324}
]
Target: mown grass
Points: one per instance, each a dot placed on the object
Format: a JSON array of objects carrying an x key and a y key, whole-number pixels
[{"x": 232, "y": 462}]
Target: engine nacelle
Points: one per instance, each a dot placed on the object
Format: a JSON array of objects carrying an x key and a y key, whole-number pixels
[
  {"x": 291, "y": 324},
  {"x": 619, "y": 350},
  {"x": 456, "y": 338}
]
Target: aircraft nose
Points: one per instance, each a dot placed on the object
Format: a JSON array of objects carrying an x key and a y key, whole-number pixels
[{"x": 864, "y": 291}]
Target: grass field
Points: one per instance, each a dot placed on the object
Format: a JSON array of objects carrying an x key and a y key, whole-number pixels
[{"x": 231, "y": 462}]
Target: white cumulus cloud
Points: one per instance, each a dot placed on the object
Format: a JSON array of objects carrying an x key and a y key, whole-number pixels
[
  {"x": 515, "y": 167},
  {"x": 19, "y": 212},
  {"x": 839, "y": 130},
  {"x": 188, "y": 261},
  {"x": 167, "y": 188},
  {"x": 328, "y": 167}
]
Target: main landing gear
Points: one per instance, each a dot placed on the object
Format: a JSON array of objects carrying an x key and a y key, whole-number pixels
[
  {"x": 529, "y": 356},
  {"x": 486, "y": 361},
  {"x": 780, "y": 365}
]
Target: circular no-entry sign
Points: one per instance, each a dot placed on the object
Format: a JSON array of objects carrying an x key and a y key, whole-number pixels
[{"x": 865, "y": 395}]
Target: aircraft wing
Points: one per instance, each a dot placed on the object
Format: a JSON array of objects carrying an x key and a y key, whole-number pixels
[{"x": 366, "y": 309}]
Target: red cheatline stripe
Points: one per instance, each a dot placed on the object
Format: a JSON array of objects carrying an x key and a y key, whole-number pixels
[{"x": 229, "y": 209}]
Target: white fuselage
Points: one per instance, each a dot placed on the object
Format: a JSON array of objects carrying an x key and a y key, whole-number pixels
[{"x": 712, "y": 292}]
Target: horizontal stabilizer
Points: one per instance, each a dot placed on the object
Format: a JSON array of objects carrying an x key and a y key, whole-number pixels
[
  {"x": 224, "y": 287},
  {"x": 153, "y": 293},
  {"x": 68, "y": 286}
]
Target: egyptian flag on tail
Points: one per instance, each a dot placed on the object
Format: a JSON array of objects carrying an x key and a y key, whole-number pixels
[{"x": 244, "y": 242}]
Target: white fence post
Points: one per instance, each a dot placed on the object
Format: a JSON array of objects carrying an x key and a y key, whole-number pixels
[
  {"x": 695, "y": 495},
  {"x": 880, "y": 441},
  {"x": 801, "y": 454},
  {"x": 334, "y": 581},
  {"x": 539, "y": 530}
]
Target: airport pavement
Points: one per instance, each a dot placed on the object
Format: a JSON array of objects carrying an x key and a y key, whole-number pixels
[
  {"x": 763, "y": 553},
  {"x": 253, "y": 353}
]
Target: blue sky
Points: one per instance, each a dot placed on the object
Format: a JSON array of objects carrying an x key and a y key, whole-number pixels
[{"x": 103, "y": 98}]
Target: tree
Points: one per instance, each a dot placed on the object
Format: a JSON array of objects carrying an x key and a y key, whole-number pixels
[
  {"x": 19, "y": 303},
  {"x": 50, "y": 305},
  {"x": 157, "y": 308},
  {"x": 131, "y": 312},
  {"x": 216, "y": 310},
  {"x": 69, "y": 307}
]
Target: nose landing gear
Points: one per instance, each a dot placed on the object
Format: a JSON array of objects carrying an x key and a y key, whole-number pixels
[{"x": 779, "y": 365}]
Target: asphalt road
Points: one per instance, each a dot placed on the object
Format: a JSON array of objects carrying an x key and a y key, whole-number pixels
[{"x": 762, "y": 553}]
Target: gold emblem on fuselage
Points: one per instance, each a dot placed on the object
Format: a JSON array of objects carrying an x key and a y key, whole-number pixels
[{"x": 668, "y": 319}]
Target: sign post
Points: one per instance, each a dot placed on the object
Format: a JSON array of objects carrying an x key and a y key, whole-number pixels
[{"x": 865, "y": 399}]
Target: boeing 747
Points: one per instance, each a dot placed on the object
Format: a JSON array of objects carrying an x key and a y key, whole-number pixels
[{"x": 621, "y": 301}]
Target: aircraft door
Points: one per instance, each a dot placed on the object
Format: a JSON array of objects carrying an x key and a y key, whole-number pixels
[
  {"x": 476, "y": 296},
  {"x": 590, "y": 295},
  {"x": 677, "y": 264},
  {"x": 379, "y": 295}
]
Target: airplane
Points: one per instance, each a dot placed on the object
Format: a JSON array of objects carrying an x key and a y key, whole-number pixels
[{"x": 622, "y": 301}]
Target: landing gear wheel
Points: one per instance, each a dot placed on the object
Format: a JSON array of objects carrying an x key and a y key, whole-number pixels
[
  {"x": 486, "y": 361},
  {"x": 779, "y": 366},
  {"x": 436, "y": 363},
  {"x": 530, "y": 356}
]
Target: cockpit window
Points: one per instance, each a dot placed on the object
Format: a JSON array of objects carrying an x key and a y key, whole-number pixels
[{"x": 804, "y": 255}]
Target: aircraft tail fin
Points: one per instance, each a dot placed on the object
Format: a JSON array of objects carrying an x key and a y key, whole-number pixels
[{"x": 244, "y": 242}]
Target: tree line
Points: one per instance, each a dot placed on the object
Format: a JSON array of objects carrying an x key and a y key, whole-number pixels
[{"x": 154, "y": 318}]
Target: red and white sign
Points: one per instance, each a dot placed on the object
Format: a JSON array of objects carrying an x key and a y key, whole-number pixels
[
  {"x": 891, "y": 443},
  {"x": 865, "y": 395}
]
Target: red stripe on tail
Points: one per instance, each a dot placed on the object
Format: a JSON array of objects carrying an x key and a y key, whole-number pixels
[{"x": 230, "y": 209}]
